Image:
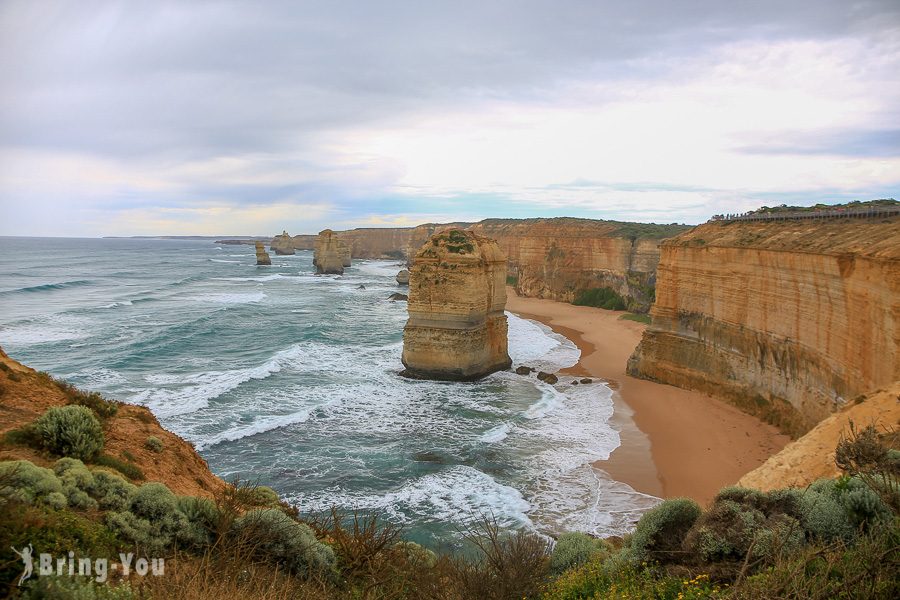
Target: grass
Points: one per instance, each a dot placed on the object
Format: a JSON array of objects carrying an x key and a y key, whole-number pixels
[
  {"x": 128, "y": 469},
  {"x": 645, "y": 319}
]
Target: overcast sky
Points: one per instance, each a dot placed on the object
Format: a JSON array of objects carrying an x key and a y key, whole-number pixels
[{"x": 129, "y": 118}]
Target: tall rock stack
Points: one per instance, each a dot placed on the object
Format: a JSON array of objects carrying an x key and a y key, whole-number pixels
[
  {"x": 344, "y": 251},
  {"x": 457, "y": 329},
  {"x": 282, "y": 244},
  {"x": 327, "y": 256},
  {"x": 262, "y": 257}
]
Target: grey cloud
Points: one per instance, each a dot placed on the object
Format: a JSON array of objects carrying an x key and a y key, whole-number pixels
[
  {"x": 184, "y": 80},
  {"x": 851, "y": 143}
]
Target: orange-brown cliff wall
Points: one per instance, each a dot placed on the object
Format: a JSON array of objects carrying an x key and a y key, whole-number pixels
[
  {"x": 388, "y": 242},
  {"x": 786, "y": 319}
]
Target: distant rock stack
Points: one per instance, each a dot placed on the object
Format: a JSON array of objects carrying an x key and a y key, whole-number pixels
[
  {"x": 282, "y": 244},
  {"x": 327, "y": 256},
  {"x": 403, "y": 277},
  {"x": 262, "y": 257},
  {"x": 344, "y": 251},
  {"x": 457, "y": 329}
]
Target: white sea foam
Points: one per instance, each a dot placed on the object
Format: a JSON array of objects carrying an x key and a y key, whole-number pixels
[
  {"x": 495, "y": 434},
  {"x": 457, "y": 493},
  {"x": 222, "y": 260},
  {"x": 234, "y": 298},
  {"x": 192, "y": 392},
  {"x": 115, "y": 304},
  {"x": 539, "y": 346},
  {"x": 259, "y": 425},
  {"x": 261, "y": 278},
  {"x": 45, "y": 329}
]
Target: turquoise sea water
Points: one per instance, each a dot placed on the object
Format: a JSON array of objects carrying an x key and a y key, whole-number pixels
[{"x": 278, "y": 374}]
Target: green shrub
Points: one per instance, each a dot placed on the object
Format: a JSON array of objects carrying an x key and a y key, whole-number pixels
[
  {"x": 111, "y": 491},
  {"x": 74, "y": 588},
  {"x": 661, "y": 530},
  {"x": 639, "y": 318},
  {"x": 153, "y": 521},
  {"x": 25, "y": 482},
  {"x": 573, "y": 549},
  {"x": 603, "y": 297},
  {"x": 70, "y": 431},
  {"x": 277, "y": 537},
  {"x": 838, "y": 509},
  {"x": 130, "y": 470},
  {"x": 154, "y": 444},
  {"x": 262, "y": 495},
  {"x": 202, "y": 518},
  {"x": 77, "y": 481}
]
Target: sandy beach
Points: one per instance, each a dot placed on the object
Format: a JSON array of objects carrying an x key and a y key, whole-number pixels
[{"x": 674, "y": 442}]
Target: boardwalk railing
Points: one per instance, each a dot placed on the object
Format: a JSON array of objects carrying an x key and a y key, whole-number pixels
[{"x": 835, "y": 213}]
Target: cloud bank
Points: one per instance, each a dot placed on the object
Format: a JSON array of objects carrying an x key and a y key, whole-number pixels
[{"x": 247, "y": 118}]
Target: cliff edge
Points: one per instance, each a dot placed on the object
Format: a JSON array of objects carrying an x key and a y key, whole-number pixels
[
  {"x": 787, "y": 319},
  {"x": 457, "y": 327}
]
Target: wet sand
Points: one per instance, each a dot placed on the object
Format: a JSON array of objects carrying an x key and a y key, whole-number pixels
[{"x": 674, "y": 442}]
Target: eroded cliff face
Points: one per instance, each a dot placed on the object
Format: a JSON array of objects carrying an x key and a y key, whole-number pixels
[
  {"x": 282, "y": 244},
  {"x": 457, "y": 329},
  {"x": 328, "y": 257},
  {"x": 558, "y": 258},
  {"x": 387, "y": 242},
  {"x": 786, "y": 319}
]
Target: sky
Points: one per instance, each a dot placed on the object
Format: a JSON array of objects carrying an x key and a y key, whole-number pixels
[{"x": 247, "y": 118}]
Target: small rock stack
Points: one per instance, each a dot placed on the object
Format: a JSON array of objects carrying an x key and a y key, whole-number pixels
[
  {"x": 282, "y": 244},
  {"x": 262, "y": 257}
]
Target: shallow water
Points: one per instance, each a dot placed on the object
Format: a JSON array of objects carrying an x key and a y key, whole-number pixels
[{"x": 291, "y": 378}]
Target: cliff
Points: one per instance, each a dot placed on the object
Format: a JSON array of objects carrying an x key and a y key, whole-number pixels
[
  {"x": 328, "y": 257},
  {"x": 786, "y": 319},
  {"x": 344, "y": 253},
  {"x": 372, "y": 242},
  {"x": 282, "y": 244},
  {"x": 559, "y": 258},
  {"x": 262, "y": 257},
  {"x": 457, "y": 329},
  {"x": 304, "y": 242},
  {"x": 812, "y": 456},
  {"x": 25, "y": 394}
]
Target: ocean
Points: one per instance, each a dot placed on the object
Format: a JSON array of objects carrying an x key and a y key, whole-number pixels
[{"x": 289, "y": 378}]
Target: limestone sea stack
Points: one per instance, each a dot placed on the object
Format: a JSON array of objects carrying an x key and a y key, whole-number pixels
[
  {"x": 403, "y": 277},
  {"x": 282, "y": 244},
  {"x": 344, "y": 251},
  {"x": 457, "y": 329},
  {"x": 327, "y": 256},
  {"x": 262, "y": 257}
]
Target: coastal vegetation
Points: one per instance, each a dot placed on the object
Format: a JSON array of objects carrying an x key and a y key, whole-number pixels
[
  {"x": 838, "y": 537},
  {"x": 602, "y": 297}
]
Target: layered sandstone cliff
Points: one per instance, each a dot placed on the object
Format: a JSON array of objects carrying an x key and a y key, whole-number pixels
[
  {"x": 372, "y": 242},
  {"x": 559, "y": 258},
  {"x": 457, "y": 329},
  {"x": 262, "y": 257},
  {"x": 786, "y": 319},
  {"x": 282, "y": 244},
  {"x": 812, "y": 456},
  {"x": 344, "y": 253},
  {"x": 328, "y": 257}
]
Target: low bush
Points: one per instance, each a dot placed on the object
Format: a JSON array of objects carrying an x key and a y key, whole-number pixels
[
  {"x": 839, "y": 509},
  {"x": 111, "y": 491},
  {"x": 573, "y": 549},
  {"x": 661, "y": 530},
  {"x": 264, "y": 496},
  {"x": 276, "y": 537},
  {"x": 603, "y": 297},
  {"x": 74, "y": 588},
  {"x": 153, "y": 521},
  {"x": 77, "y": 481},
  {"x": 202, "y": 518},
  {"x": 22, "y": 481},
  {"x": 154, "y": 444},
  {"x": 71, "y": 431}
]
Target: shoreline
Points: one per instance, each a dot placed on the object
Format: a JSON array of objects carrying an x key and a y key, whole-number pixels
[{"x": 673, "y": 442}]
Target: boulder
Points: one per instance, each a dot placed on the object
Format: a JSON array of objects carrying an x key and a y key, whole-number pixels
[
  {"x": 403, "y": 277},
  {"x": 398, "y": 298},
  {"x": 523, "y": 370},
  {"x": 547, "y": 377},
  {"x": 587, "y": 380}
]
